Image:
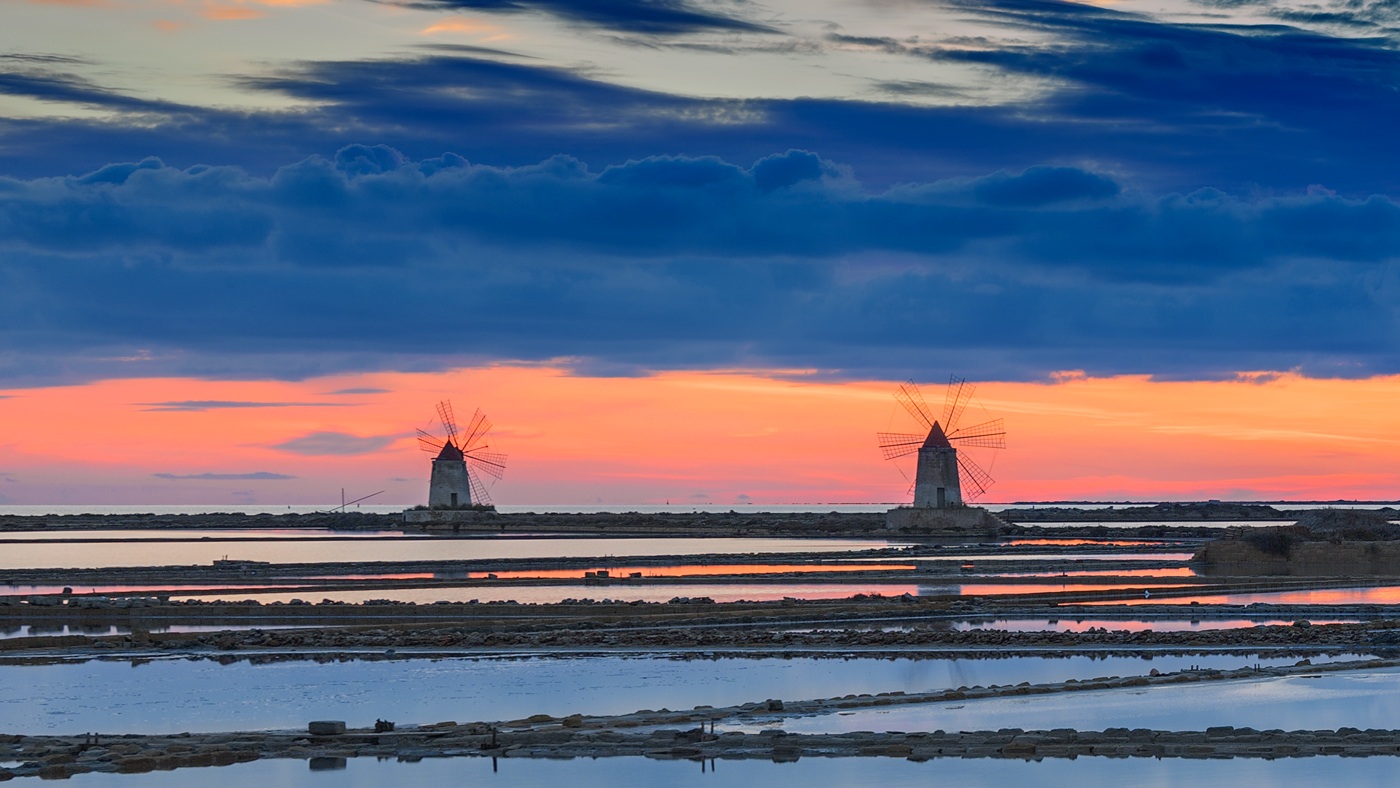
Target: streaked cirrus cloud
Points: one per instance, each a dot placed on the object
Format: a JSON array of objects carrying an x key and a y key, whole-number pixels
[
  {"x": 321, "y": 444},
  {"x": 224, "y": 477}
]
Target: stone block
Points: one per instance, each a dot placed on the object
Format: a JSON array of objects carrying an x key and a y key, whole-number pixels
[{"x": 326, "y": 728}]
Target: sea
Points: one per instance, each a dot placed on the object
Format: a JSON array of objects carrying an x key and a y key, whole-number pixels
[{"x": 644, "y": 508}]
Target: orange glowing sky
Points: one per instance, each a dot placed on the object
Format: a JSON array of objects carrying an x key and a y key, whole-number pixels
[{"x": 698, "y": 437}]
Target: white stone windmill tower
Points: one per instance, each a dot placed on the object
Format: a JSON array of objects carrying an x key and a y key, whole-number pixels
[
  {"x": 460, "y": 459},
  {"x": 944, "y": 479}
]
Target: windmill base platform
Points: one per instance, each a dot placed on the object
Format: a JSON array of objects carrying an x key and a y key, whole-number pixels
[
  {"x": 430, "y": 517},
  {"x": 962, "y": 520}
]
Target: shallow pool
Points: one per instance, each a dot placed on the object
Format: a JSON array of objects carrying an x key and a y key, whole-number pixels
[
  {"x": 1382, "y": 595},
  {"x": 89, "y": 555},
  {"x": 169, "y": 695},
  {"x": 809, "y": 772},
  {"x": 1359, "y": 699},
  {"x": 623, "y": 592}
]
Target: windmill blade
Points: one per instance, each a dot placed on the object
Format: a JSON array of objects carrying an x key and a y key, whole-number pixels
[
  {"x": 897, "y": 444},
  {"x": 479, "y": 494},
  {"x": 959, "y": 392},
  {"x": 449, "y": 421},
  {"x": 491, "y": 463},
  {"x": 476, "y": 430},
  {"x": 429, "y": 442},
  {"x": 987, "y": 435},
  {"x": 972, "y": 478},
  {"x": 908, "y": 395}
]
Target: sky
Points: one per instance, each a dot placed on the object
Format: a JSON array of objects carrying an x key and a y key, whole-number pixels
[{"x": 685, "y": 249}]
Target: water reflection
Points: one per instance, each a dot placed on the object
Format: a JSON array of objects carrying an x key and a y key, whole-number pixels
[
  {"x": 87, "y": 556},
  {"x": 1084, "y": 772},
  {"x": 1082, "y": 624},
  {"x": 1360, "y": 699},
  {"x": 100, "y": 630},
  {"x": 1384, "y": 595},
  {"x": 173, "y": 694},
  {"x": 1180, "y": 571},
  {"x": 624, "y": 592},
  {"x": 539, "y": 595},
  {"x": 196, "y": 534},
  {"x": 1067, "y": 542},
  {"x": 693, "y": 570}
]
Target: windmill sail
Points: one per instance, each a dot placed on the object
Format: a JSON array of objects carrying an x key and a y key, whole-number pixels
[
  {"x": 959, "y": 392},
  {"x": 909, "y": 396},
  {"x": 898, "y": 444},
  {"x": 987, "y": 435},
  {"x": 946, "y": 475},
  {"x": 461, "y": 459}
]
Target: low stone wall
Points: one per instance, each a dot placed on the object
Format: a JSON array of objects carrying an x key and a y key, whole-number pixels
[
  {"x": 1309, "y": 559},
  {"x": 770, "y": 640},
  {"x": 962, "y": 521}
]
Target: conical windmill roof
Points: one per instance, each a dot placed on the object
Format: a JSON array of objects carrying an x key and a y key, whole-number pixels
[
  {"x": 450, "y": 452},
  {"x": 936, "y": 439}
]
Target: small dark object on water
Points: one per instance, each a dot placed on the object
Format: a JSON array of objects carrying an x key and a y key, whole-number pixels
[{"x": 383, "y": 726}]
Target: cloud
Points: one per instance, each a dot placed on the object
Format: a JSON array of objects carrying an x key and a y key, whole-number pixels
[
  {"x": 1267, "y": 107},
  {"x": 322, "y": 444},
  {"x": 222, "y": 12},
  {"x": 674, "y": 262},
  {"x": 472, "y": 27},
  {"x": 220, "y": 477},
  {"x": 210, "y": 404},
  {"x": 653, "y": 17},
  {"x": 357, "y": 391}
]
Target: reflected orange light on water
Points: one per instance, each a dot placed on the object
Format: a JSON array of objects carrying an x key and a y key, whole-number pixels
[
  {"x": 728, "y": 438},
  {"x": 1076, "y": 542},
  {"x": 615, "y": 573},
  {"x": 1389, "y": 595}
]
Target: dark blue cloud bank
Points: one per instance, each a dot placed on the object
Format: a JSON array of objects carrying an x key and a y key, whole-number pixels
[
  {"x": 653, "y": 17},
  {"x": 369, "y": 260},
  {"x": 1185, "y": 200}
]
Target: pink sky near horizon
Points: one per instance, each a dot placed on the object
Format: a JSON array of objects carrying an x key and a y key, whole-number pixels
[{"x": 698, "y": 437}]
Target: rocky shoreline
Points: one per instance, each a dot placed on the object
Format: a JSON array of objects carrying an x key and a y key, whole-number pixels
[
  {"x": 370, "y": 642},
  {"x": 1048, "y": 520}
]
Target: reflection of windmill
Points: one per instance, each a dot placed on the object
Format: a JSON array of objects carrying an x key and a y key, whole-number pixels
[
  {"x": 944, "y": 478},
  {"x": 461, "y": 459}
]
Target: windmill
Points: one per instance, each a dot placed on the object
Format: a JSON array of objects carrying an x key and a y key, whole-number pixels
[
  {"x": 944, "y": 478},
  {"x": 462, "y": 457}
]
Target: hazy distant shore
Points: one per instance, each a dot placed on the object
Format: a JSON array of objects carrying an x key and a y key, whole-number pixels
[{"x": 745, "y": 522}]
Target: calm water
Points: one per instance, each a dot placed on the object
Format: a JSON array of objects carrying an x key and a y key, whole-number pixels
[
  {"x": 170, "y": 695},
  {"x": 35, "y": 510},
  {"x": 719, "y": 592},
  {"x": 1084, "y": 772},
  {"x": 99, "y": 630},
  {"x": 26, "y": 556},
  {"x": 1382, "y": 595},
  {"x": 1360, "y": 699},
  {"x": 1079, "y": 625},
  {"x": 977, "y": 559},
  {"x": 195, "y": 534}
]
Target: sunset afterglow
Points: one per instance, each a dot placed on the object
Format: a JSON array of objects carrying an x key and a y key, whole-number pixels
[{"x": 690, "y": 437}]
